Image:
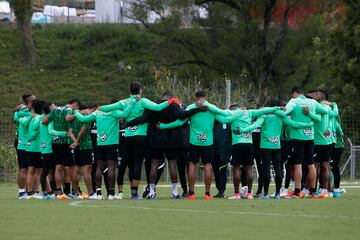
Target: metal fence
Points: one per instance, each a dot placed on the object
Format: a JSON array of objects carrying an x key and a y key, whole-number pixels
[{"x": 350, "y": 164}]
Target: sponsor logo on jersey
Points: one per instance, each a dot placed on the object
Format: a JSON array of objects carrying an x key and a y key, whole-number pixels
[
  {"x": 102, "y": 138},
  {"x": 308, "y": 131},
  {"x": 201, "y": 137},
  {"x": 93, "y": 131},
  {"x": 246, "y": 135},
  {"x": 43, "y": 146},
  {"x": 27, "y": 144},
  {"x": 132, "y": 129},
  {"x": 274, "y": 140}
]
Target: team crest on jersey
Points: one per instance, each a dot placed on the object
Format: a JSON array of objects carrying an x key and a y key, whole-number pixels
[
  {"x": 274, "y": 140},
  {"x": 43, "y": 146},
  {"x": 201, "y": 137},
  {"x": 132, "y": 129},
  {"x": 27, "y": 144},
  {"x": 93, "y": 131},
  {"x": 246, "y": 135},
  {"x": 102, "y": 137},
  {"x": 308, "y": 131}
]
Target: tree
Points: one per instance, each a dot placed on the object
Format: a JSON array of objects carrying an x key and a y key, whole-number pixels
[{"x": 23, "y": 11}]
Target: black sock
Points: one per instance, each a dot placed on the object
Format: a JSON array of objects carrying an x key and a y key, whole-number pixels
[
  {"x": 22, "y": 194},
  {"x": 58, "y": 191},
  {"x": 120, "y": 191},
  {"x": 50, "y": 193},
  {"x": 134, "y": 190},
  {"x": 90, "y": 194},
  {"x": 112, "y": 192},
  {"x": 98, "y": 192},
  {"x": 297, "y": 191},
  {"x": 236, "y": 192},
  {"x": 191, "y": 192},
  {"x": 312, "y": 190},
  {"x": 30, "y": 193},
  {"x": 207, "y": 193},
  {"x": 67, "y": 188}
]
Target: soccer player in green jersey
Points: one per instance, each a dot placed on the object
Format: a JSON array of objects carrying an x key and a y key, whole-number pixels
[
  {"x": 61, "y": 146},
  {"x": 22, "y": 131},
  {"x": 107, "y": 124},
  {"x": 201, "y": 140},
  {"x": 136, "y": 135},
  {"x": 83, "y": 156},
  {"x": 33, "y": 149},
  {"x": 336, "y": 156},
  {"x": 303, "y": 138}
]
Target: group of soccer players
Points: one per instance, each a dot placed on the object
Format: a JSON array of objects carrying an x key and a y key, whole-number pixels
[{"x": 56, "y": 145}]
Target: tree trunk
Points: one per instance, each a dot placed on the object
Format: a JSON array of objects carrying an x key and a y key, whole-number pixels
[{"x": 27, "y": 47}]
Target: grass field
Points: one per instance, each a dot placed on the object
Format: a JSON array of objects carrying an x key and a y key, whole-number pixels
[{"x": 181, "y": 219}]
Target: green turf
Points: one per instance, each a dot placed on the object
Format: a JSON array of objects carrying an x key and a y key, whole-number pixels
[{"x": 181, "y": 219}]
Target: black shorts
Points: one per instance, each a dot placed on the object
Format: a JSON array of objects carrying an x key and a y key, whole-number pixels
[
  {"x": 83, "y": 157},
  {"x": 48, "y": 161},
  {"x": 107, "y": 152},
  {"x": 34, "y": 159},
  {"x": 242, "y": 154},
  {"x": 62, "y": 154},
  {"x": 160, "y": 153},
  {"x": 22, "y": 159},
  {"x": 303, "y": 152},
  {"x": 205, "y": 153},
  {"x": 336, "y": 157},
  {"x": 322, "y": 153}
]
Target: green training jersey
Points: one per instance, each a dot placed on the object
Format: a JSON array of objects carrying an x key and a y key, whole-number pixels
[
  {"x": 33, "y": 143},
  {"x": 76, "y": 125},
  {"x": 138, "y": 110},
  {"x": 322, "y": 130},
  {"x": 241, "y": 119},
  {"x": 23, "y": 118},
  {"x": 58, "y": 117},
  {"x": 333, "y": 119},
  {"x": 295, "y": 109},
  {"x": 201, "y": 124},
  {"x": 271, "y": 128},
  {"x": 340, "y": 143},
  {"x": 45, "y": 138},
  {"x": 107, "y": 124},
  {"x": 22, "y": 112}
]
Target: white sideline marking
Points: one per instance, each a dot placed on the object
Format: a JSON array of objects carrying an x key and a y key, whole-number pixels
[{"x": 80, "y": 204}]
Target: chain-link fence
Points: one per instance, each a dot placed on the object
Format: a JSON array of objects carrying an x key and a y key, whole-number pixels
[{"x": 8, "y": 160}]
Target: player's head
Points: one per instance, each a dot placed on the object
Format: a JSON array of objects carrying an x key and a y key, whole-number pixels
[
  {"x": 37, "y": 106},
  {"x": 234, "y": 106},
  {"x": 166, "y": 95},
  {"x": 114, "y": 101},
  {"x": 323, "y": 95},
  {"x": 271, "y": 101},
  {"x": 200, "y": 95},
  {"x": 297, "y": 91},
  {"x": 282, "y": 103},
  {"x": 312, "y": 94},
  {"x": 47, "y": 107},
  {"x": 135, "y": 88},
  {"x": 27, "y": 98},
  {"x": 74, "y": 103}
]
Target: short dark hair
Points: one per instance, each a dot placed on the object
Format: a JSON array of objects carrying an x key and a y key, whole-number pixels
[
  {"x": 74, "y": 100},
  {"x": 135, "y": 88},
  {"x": 38, "y": 106},
  {"x": 233, "y": 105},
  {"x": 271, "y": 101},
  {"x": 114, "y": 101},
  {"x": 167, "y": 94},
  {"x": 297, "y": 89},
  {"x": 313, "y": 91},
  {"x": 46, "y": 107},
  {"x": 25, "y": 97},
  {"x": 325, "y": 94},
  {"x": 200, "y": 94}
]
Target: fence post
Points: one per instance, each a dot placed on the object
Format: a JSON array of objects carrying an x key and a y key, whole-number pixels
[
  {"x": 352, "y": 163},
  {"x": 227, "y": 93}
]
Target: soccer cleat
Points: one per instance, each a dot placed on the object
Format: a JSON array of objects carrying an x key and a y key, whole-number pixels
[
  {"x": 100, "y": 197},
  {"x": 265, "y": 197},
  {"x": 62, "y": 197},
  {"x": 277, "y": 196},
  {"x": 299, "y": 195},
  {"x": 93, "y": 197},
  {"x": 111, "y": 197},
  {"x": 135, "y": 197},
  {"x": 71, "y": 196},
  {"x": 258, "y": 195},
  {"x": 151, "y": 197},
  {"x": 208, "y": 197},
  {"x": 191, "y": 197},
  {"x": 85, "y": 195},
  {"x": 219, "y": 195},
  {"x": 250, "y": 196},
  {"x": 175, "y": 197},
  {"x": 146, "y": 191},
  {"x": 322, "y": 195},
  {"x": 310, "y": 195},
  {"x": 290, "y": 194},
  {"x": 79, "y": 197},
  {"x": 24, "y": 197},
  {"x": 331, "y": 195},
  {"x": 185, "y": 195},
  {"x": 235, "y": 196},
  {"x": 119, "y": 196},
  {"x": 336, "y": 194},
  {"x": 37, "y": 196}
]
